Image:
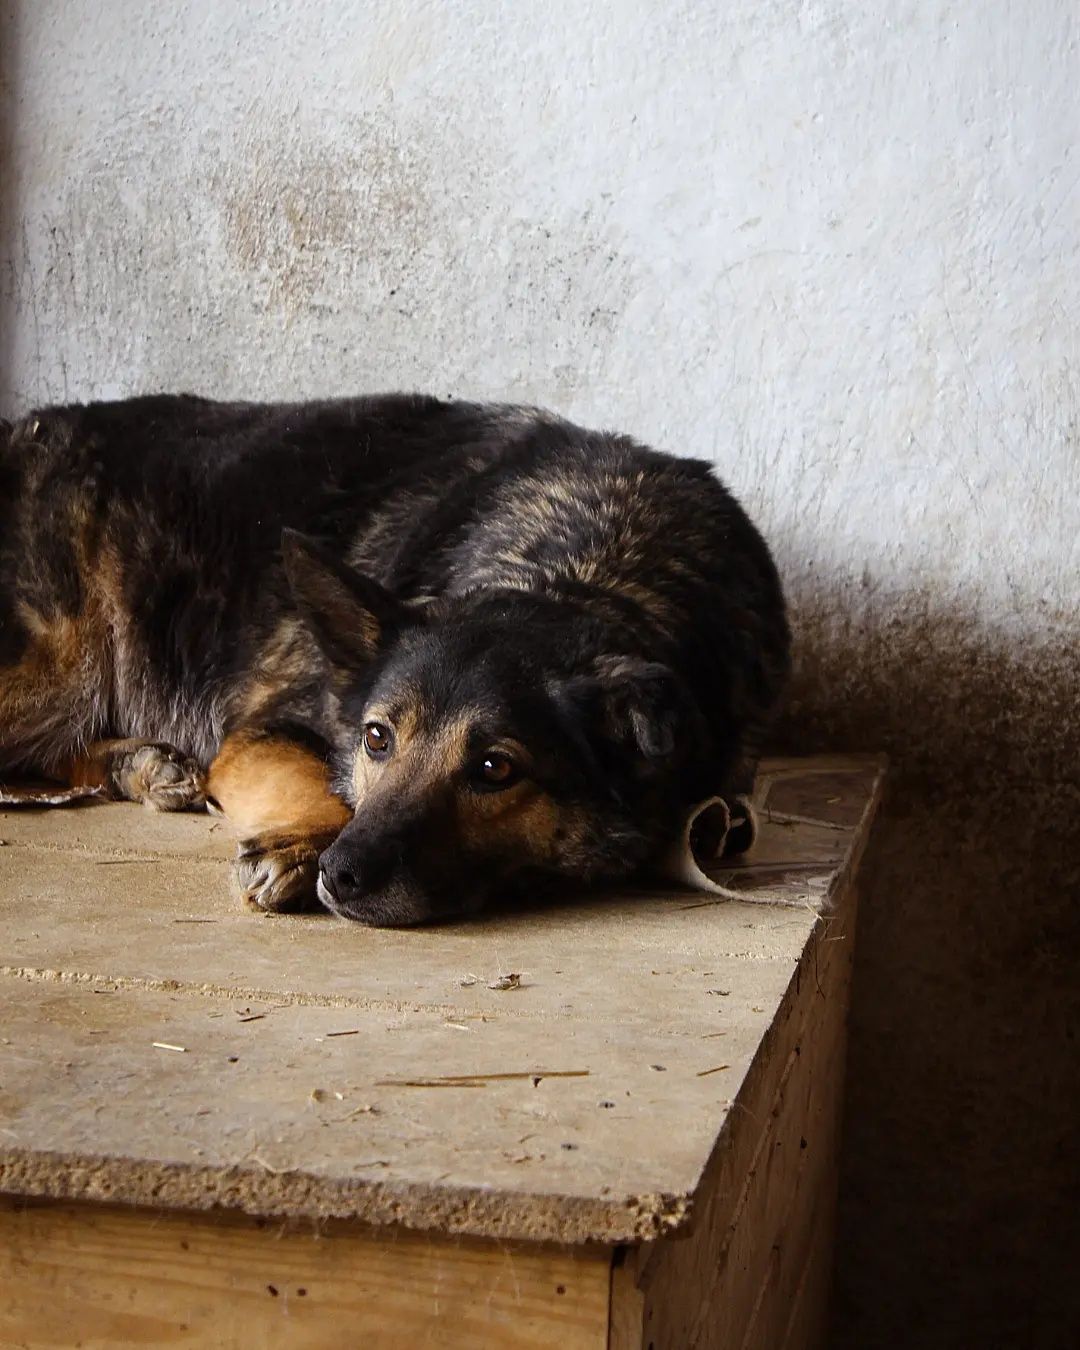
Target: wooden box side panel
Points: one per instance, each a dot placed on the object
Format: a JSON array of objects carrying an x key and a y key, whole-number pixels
[
  {"x": 98, "y": 1277},
  {"x": 755, "y": 1272}
]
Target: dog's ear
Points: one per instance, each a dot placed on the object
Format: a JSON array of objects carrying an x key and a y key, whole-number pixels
[
  {"x": 351, "y": 616},
  {"x": 631, "y": 707},
  {"x": 642, "y": 703}
]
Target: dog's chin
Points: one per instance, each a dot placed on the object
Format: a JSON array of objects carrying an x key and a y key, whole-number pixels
[
  {"x": 325, "y": 898},
  {"x": 392, "y": 907}
]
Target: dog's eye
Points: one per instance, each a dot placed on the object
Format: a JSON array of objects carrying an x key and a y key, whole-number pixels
[
  {"x": 378, "y": 740},
  {"x": 494, "y": 771}
]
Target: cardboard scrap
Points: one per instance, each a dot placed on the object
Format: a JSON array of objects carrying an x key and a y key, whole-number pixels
[{"x": 50, "y": 795}]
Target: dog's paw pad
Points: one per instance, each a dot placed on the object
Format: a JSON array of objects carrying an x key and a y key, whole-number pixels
[
  {"x": 278, "y": 878},
  {"x": 161, "y": 778}
]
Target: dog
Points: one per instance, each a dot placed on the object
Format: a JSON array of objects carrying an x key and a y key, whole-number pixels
[{"x": 425, "y": 655}]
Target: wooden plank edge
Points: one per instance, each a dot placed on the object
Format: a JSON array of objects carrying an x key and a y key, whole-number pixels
[{"x": 458, "y": 1211}]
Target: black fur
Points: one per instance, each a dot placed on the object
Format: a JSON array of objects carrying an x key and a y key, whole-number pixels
[{"x": 610, "y": 608}]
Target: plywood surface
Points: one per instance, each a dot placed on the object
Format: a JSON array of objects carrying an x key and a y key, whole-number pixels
[{"x": 591, "y": 1100}]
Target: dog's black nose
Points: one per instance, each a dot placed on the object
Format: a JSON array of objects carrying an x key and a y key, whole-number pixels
[
  {"x": 348, "y": 873},
  {"x": 340, "y": 875}
]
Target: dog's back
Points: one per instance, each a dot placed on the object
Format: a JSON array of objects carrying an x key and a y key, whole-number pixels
[{"x": 147, "y": 532}]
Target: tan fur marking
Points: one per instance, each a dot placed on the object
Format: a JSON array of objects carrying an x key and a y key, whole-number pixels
[
  {"x": 521, "y": 823},
  {"x": 274, "y": 785},
  {"x": 57, "y": 699},
  {"x": 91, "y": 767},
  {"x": 34, "y": 622},
  {"x": 50, "y": 700},
  {"x": 284, "y": 661},
  {"x": 419, "y": 761}
]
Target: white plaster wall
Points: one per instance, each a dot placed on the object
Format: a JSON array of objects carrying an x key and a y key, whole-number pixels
[{"x": 831, "y": 245}]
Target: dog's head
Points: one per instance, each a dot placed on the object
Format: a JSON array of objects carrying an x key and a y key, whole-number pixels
[{"x": 488, "y": 747}]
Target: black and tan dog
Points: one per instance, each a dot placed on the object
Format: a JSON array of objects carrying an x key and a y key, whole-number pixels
[{"x": 423, "y": 654}]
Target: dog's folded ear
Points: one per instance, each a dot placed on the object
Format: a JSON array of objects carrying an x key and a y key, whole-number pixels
[
  {"x": 350, "y": 615},
  {"x": 630, "y": 706},
  {"x": 641, "y": 702}
]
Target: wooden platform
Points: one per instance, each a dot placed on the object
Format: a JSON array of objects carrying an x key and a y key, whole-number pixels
[{"x": 229, "y": 1130}]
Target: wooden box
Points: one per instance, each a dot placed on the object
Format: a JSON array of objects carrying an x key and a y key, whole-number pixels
[{"x": 229, "y": 1131}]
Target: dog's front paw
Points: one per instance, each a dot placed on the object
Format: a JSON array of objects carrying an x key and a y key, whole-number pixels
[
  {"x": 158, "y": 776},
  {"x": 277, "y": 873}
]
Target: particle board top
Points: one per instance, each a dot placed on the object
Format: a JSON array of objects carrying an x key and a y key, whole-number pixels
[{"x": 160, "y": 1045}]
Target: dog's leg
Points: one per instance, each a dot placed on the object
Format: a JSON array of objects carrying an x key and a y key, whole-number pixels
[
  {"x": 140, "y": 771},
  {"x": 276, "y": 793}
]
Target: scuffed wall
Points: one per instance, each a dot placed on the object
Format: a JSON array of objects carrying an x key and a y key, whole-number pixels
[{"x": 832, "y": 246}]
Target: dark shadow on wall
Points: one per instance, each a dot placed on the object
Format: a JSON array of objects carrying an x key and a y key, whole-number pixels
[
  {"x": 960, "y": 1183},
  {"x": 8, "y": 188}
]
